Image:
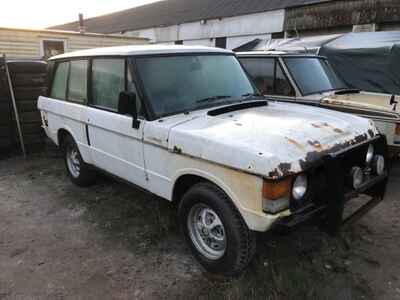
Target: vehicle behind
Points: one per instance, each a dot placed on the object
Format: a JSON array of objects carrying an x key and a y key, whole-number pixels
[{"x": 309, "y": 79}]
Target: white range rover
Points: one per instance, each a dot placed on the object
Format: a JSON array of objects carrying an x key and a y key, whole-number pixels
[{"x": 188, "y": 125}]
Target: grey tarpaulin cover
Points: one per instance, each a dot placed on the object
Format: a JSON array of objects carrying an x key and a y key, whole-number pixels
[{"x": 369, "y": 61}]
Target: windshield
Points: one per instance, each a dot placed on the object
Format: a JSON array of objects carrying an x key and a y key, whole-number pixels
[
  {"x": 182, "y": 83},
  {"x": 313, "y": 75}
]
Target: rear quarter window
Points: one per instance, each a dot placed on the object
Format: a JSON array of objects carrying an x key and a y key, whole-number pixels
[
  {"x": 59, "y": 85},
  {"x": 77, "y": 85}
]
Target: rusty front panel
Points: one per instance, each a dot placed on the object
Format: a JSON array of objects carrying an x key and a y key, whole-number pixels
[{"x": 314, "y": 157}]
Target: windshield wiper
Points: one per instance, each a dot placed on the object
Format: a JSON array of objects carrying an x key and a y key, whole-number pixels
[
  {"x": 213, "y": 98},
  {"x": 347, "y": 91},
  {"x": 250, "y": 95}
]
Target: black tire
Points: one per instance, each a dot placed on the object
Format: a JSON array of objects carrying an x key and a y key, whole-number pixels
[
  {"x": 240, "y": 241},
  {"x": 86, "y": 175}
]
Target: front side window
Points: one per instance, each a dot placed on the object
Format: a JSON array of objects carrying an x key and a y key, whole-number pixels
[
  {"x": 108, "y": 81},
  {"x": 77, "y": 85},
  {"x": 59, "y": 86},
  {"x": 313, "y": 75},
  {"x": 180, "y": 83},
  {"x": 262, "y": 71},
  {"x": 268, "y": 76}
]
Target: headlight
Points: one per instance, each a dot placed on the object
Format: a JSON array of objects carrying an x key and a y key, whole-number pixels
[
  {"x": 357, "y": 176},
  {"x": 370, "y": 154},
  {"x": 300, "y": 186},
  {"x": 379, "y": 164}
]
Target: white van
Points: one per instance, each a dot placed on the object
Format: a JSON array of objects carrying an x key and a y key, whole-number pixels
[{"x": 187, "y": 124}]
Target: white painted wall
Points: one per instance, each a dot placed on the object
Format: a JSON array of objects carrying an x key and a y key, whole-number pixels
[
  {"x": 28, "y": 44},
  {"x": 260, "y": 23},
  {"x": 237, "y": 29},
  {"x": 200, "y": 42}
]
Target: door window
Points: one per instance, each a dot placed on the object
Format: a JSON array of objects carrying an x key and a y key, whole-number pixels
[
  {"x": 268, "y": 76},
  {"x": 262, "y": 72},
  {"x": 77, "y": 85},
  {"x": 108, "y": 81},
  {"x": 282, "y": 84},
  {"x": 59, "y": 86}
]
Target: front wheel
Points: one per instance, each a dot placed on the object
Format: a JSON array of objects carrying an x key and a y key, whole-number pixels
[
  {"x": 80, "y": 173},
  {"x": 217, "y": 234}
]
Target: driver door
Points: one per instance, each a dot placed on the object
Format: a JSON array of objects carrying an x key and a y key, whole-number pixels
[{"x": 115, "y": 145}]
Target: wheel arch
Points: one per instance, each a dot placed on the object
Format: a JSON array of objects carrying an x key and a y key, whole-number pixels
[
  {"x": 253, "y": 216},
  {"x": 185, "y": 180},
  {"x": 62, "y": 133}
]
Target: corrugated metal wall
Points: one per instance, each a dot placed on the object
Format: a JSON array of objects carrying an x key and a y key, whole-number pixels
[{"x": 26, "y": 44}]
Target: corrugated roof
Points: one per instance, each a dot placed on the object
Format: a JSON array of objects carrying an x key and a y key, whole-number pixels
[{"x": 172, "y": 12}]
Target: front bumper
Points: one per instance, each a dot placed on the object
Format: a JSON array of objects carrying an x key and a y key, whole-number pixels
[
  {"x": 332, "y": 200},
  {"x": 332, "y": 213}
]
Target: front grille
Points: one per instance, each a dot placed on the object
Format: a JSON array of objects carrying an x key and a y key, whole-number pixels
[{"x": 335, "y": 170}]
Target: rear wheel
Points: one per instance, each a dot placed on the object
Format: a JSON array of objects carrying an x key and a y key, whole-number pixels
[
  {"x": 218, "y": 236},
  {"x": 80, "y": 173}
]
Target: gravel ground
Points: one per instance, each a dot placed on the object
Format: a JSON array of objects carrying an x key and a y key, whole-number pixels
[{"x": 112, "y": 241}]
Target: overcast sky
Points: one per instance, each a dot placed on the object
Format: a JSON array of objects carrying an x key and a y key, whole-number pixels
[{"x": 45, "y": 13}]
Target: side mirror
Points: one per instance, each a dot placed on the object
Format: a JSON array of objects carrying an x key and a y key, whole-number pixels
[{"x": 127, "y": 106}]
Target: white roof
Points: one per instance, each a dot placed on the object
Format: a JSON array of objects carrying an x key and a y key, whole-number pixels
[
  {"x": 261, "y": 52},
  {"x": 140, "y": 50}
]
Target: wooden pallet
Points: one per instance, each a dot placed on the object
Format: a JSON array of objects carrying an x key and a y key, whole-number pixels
[{"x": 29, "y": 82}]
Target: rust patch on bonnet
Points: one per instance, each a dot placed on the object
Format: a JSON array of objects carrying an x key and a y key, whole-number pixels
[
  {"x": 337, "y": 130},
  {"x": 317, "y": 145},
  {"x": 326, "y": 125},
  {"x": 274, "y": 174},
  {"x": 297, "y": 144},
  {"x": 283, "y": 170},
  {"x": 320, "y": 125},
  {"x": 314, "y": 156}
]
